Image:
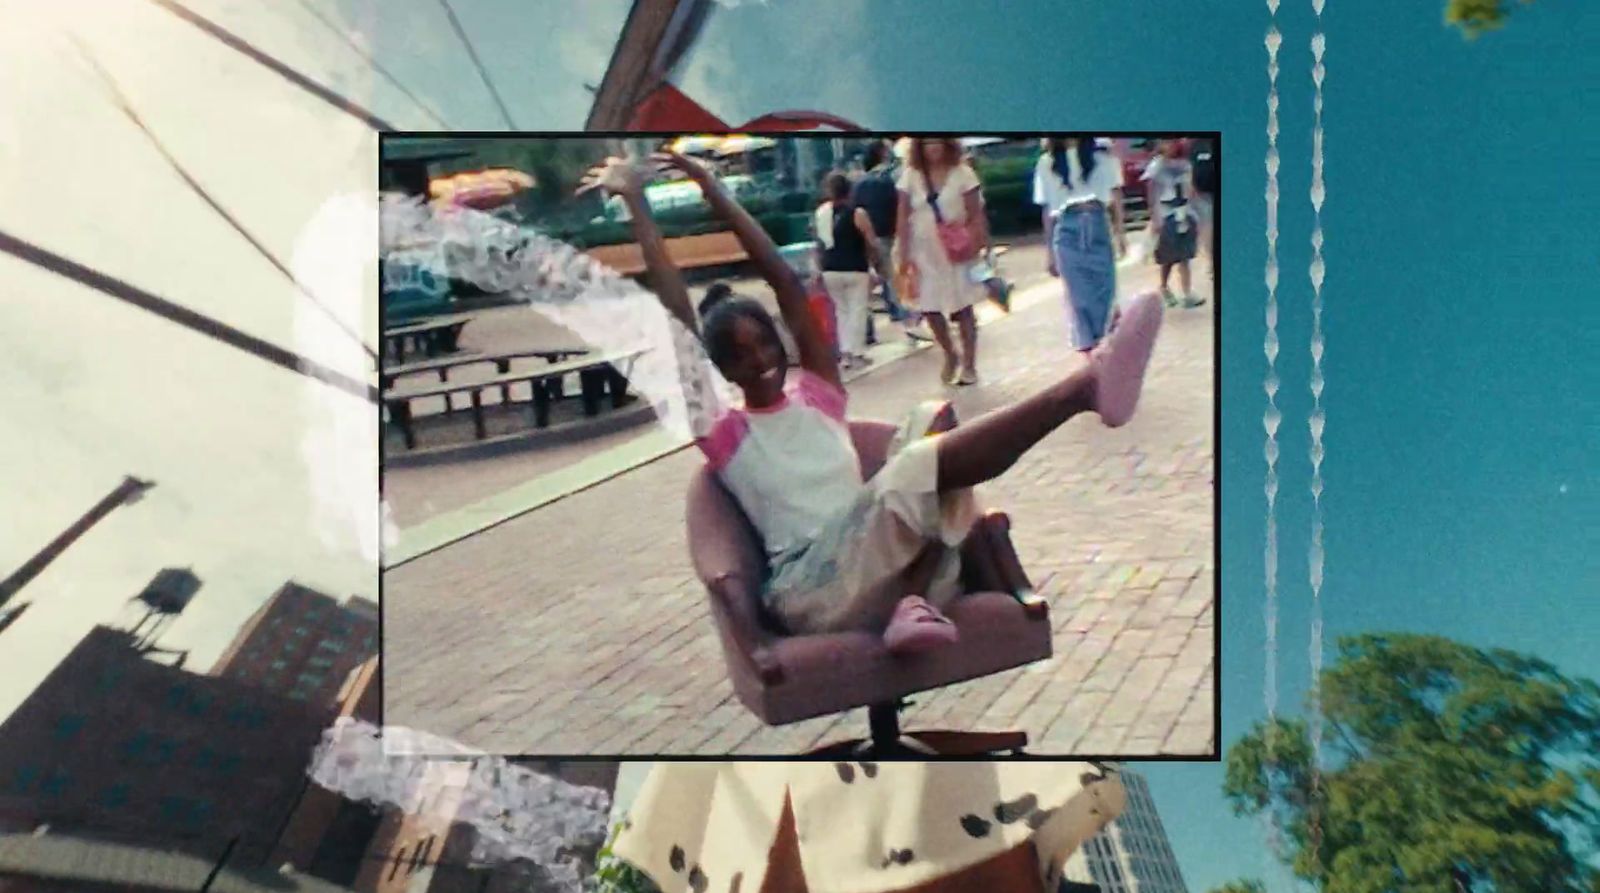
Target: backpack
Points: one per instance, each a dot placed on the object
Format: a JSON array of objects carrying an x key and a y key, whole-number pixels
[{"x": 877, "y": 195}]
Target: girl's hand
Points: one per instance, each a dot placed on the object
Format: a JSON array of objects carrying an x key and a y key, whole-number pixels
[
  {"x": 615, "y": 175},
  {"x": 1050, "y": 266},
  {"x": 1122, "y": 244}
]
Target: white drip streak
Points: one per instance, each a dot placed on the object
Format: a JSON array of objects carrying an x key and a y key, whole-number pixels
[
  {"x": 1316, "y": 423},
  {"x": 1272, "y": 417}
]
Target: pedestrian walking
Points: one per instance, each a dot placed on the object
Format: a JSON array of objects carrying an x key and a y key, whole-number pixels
[
  {"x": 879, "y": 555},
  {"x": 1176, "y": 225},
  {"x": 1079, "y": 185},
  {"x": 847, "y": 250},
  {"x": 876, "y": 194},
  {"x": 1204, "y": 158},
  {"x": 942, "y": 231}
]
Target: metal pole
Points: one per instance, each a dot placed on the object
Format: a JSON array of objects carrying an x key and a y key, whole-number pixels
[
  {"x": 124, "y": 493},
  {"x": 217, "y": 868}
]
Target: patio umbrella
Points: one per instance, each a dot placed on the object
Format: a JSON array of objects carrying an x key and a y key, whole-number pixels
[
  {"x": 767, "y": 827},
  {"x": 481, "y": 190}
]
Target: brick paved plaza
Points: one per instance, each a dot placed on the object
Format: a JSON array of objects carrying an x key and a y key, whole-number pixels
[{"x": 579, "y": 628}]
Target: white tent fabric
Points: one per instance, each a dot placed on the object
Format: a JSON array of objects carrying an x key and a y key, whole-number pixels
[{"x": 862, "y": 827}]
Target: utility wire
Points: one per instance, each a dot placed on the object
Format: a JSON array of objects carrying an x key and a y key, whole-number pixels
[
  {"x": 235, "y": 42},
  {"x": 477, "y": 63},
  {"x": 183, "y": 316},
  {"x": 367, "y": 57},
  {"x": 121, "y": 101}
]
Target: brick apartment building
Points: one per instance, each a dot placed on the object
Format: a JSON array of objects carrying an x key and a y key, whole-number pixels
[
  {"x": 302, "y": 644},
  {"x": 115, "y": 745}
]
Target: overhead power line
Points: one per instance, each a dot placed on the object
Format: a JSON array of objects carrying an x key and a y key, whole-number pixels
[{"x": 114, "y": 287}]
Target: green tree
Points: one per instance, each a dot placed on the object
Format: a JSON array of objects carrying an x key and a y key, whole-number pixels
[
  {"x": 1243, "y": 885},
  {"x": 614, "y": 875},
  {"x": 1477, "y": 17},
  {"x": 1438, "y": 757}
]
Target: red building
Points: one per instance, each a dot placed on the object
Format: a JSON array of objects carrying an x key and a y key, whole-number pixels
[
  {"x": 118, "y": 746},
  {"x": 302, "y": 644}
]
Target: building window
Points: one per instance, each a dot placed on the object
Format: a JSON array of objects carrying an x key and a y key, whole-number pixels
[
  {"x": 23, "y": 780},
  {"x": 301, "y": 631},
  {"x": 247, "y": 717},
  {"x": 163, "y": 750},
  {"x": 114, "y": 797},
  {"x": 334, "y": 645},
  {"x": 68, "y": 725},
  {"x": 108, "y": 680},
  {"x": 174, "y": 809},
  {"x": 55, "y": 784},
  {"x": 134, "y": 747},
  {"x": 319, "y": 662}
]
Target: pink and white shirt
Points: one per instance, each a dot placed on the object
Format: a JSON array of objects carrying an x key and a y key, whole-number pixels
[{"x": 791, "y": 466}]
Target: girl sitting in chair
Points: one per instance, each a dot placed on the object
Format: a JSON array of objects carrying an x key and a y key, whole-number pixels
[{"x": 846, "y": 554}]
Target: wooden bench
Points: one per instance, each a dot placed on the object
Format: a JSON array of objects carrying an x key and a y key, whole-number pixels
[
  {"x": 433, "y": 336},
  {"x": 687, "y": 252},
  {"x": 598, "y": 375},
  {"x": 502, "y": 361}
]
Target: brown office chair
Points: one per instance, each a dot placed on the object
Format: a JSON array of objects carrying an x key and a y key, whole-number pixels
[{"x": 788, "y": 678}]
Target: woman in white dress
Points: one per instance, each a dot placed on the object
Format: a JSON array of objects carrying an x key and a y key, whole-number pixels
[{"x": 938, "y": 187}]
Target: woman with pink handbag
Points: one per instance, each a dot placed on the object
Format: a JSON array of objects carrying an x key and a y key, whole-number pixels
[{"x": 941, "y": 231}]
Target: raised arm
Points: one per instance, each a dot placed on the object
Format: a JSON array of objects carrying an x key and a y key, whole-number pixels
[
  {"x": 621, "y": 177},
  {"x": 874, "y": 248},
  {"x": 816, "y": 354}
]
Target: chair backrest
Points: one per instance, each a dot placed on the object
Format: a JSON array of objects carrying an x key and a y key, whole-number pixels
[{"x": 721, "y": 538}]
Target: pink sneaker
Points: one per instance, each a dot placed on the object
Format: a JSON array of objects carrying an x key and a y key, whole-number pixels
[
  {"x": 1122, "y": 358},
  {"x": 917, "y": 627}
]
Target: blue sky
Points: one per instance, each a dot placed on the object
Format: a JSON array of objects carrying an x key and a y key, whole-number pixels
[{"x": 1462, "y": 360}]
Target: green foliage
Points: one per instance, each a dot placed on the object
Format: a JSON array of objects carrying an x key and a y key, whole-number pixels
[
  {"x": 1008, "y": 192},
  {"x": 1438, "y": 756},
  {"x": 613, "y": 875},
  {"x": 1477, "y": 17},
  {"x": 1243, "y": 885}
]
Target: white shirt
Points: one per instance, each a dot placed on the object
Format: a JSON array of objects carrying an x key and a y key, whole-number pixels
[
  {"x": 1169, "y": 175},
  {"x": 1050, "y": 192},
  {"x": 952, "y": 196},
  {"x": 792, "y": 467},
  {"x": 822, "y": 221}
]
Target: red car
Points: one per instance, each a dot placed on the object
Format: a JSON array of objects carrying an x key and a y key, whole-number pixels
[{"x": 1135, "y": 153}]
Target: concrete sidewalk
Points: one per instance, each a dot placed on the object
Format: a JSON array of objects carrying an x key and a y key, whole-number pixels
[{"x": 578, "y": 627}]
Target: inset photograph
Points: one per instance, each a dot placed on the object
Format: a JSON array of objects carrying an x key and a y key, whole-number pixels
[{"x": 819, "y": 444}]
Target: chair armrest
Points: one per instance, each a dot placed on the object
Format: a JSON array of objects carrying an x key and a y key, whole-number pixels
[
  {"x": 731, "y": 599},
  {"x": 995, "y": 564}
]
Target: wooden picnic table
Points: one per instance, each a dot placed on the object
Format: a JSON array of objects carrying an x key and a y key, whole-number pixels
[
  {"x": 598, "y": 375},
  {"x": 502, "y": 362},
  {"x": 433, "y": 336}
]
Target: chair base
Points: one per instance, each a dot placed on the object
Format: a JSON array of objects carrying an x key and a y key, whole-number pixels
[{"x": 888, "y": 741}]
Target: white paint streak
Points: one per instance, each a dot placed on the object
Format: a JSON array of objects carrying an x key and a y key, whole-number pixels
[
  {"x": 609, "y": 312},
  {"x": 335, "y": 257},
  {"x": 1316, "y": 423},
  {"x": 517, "y": 813},
  {"x": 1272, "y": 418}
]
